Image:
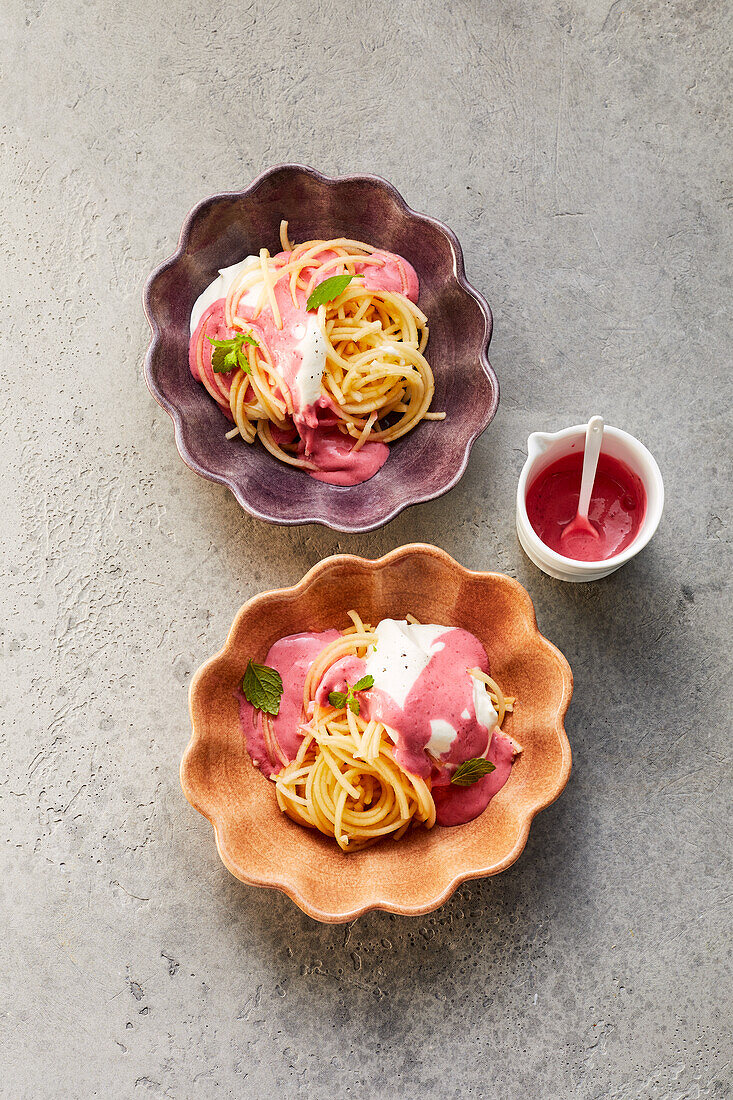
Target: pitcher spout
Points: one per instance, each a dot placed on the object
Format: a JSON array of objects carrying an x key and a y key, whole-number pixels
[{"x": 537, "y": 444}]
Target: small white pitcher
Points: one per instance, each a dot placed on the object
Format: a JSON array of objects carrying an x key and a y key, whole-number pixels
[{"x": 544, "y": 448}]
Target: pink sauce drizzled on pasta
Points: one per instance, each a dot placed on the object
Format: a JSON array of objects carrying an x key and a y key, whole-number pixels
[
  {"x": 330, "y": 451},
  {"x": 443, "y": 691},
  {"x": 291, "y": 656}
]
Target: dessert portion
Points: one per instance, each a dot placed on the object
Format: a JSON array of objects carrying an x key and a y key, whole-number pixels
[
  {"x": 318, "y": 352},
  {"x": 616, "y": 512},
  {"x": 369, "y": 731}
]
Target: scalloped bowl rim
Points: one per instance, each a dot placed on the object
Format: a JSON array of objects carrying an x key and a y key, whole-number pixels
[
  {"x": 459, "y": 272},
  {"x": 285, "y": 884}
]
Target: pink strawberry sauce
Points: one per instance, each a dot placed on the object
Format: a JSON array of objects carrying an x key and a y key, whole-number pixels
[
  {"x": 617, "y": 507},
  {"x": 292, "y": 656},
  {"x": 442, "y": 692},
  {"x": 331, "y": 452}
]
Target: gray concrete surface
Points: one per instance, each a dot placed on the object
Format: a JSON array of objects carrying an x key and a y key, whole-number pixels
[{"x": 580, "y": 153}]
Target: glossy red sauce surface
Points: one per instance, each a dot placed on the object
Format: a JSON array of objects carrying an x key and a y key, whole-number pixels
[{"x": 617, "y": 507}]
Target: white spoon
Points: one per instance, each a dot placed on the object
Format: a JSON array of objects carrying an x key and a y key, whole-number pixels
[{"x": 581, "y": 525}]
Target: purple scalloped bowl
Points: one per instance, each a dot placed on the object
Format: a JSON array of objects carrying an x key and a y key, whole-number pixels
[{"x": 222, "y": 230}]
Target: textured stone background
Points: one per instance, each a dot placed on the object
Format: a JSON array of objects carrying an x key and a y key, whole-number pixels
[{"x": 579, "y": 152}]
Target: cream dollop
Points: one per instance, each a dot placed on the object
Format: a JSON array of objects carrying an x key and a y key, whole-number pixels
[
  {"x": 219, "y": 288},
  {"x": 402, "y": 652},
  {"x": 311, "y": 347}
]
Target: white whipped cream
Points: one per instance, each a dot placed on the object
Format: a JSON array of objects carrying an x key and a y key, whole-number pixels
[
  {"x": 310, "y": 342},
  {"x": 486, "y": 716},
  {"x": 312, "y": 348},
  {"x": 403, "y": 651},
  {"x": 219, "y": 288}
]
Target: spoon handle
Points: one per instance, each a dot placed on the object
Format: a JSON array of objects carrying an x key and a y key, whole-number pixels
[{"x": 593, "y": 441}]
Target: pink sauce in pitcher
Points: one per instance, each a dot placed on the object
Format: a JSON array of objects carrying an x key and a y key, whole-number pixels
[{"x": 617, "y": 507}]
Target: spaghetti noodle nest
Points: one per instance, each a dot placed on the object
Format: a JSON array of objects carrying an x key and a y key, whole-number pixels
[
  {"x": 376, "y": 380},
  {"x": 344, "y": 780}
]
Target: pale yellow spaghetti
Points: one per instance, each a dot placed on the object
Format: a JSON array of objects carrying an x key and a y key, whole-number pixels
[
  {"x": 344, "y": 780},
  {"x": 376, "y": 380}
]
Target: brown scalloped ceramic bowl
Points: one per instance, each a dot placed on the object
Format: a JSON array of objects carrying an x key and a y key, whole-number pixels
[{"x": 262, "y": 847}]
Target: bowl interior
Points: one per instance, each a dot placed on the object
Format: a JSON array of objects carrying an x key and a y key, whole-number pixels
[
  {"x": 421, "y": 465},
  {"x": 618, "y": 444},
  {"x": 261, "y": 845}
]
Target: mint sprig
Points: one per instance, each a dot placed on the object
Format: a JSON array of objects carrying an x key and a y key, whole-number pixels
[
  {"x": 262, "y": 687},
  {"x": 470, "y": 771},
  {"x": 328, "y": 290},
  {"x": 229, "y": 354},
  {"x": 348, "y": 698}
]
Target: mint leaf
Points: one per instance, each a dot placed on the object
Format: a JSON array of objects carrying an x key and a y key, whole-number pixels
[
  {"x": 470, "y": 771},
  {"x": 229, "y": 354},
  {"x": 217, "y": 361},
  {"x": 231, "y": 341},
  {"x": 262, "y": 687},
  {"x": 329, "y": 289},
  {"x": 348, "y": 698}
]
